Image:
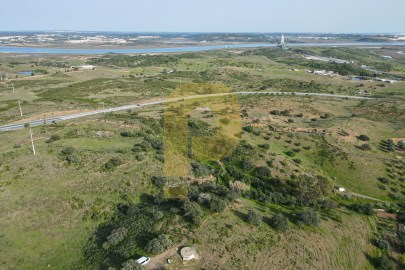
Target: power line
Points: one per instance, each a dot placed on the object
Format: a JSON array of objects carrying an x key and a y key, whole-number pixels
[
  {"x": 19, "y": 105},
  {"x": 32, "y": 142}
]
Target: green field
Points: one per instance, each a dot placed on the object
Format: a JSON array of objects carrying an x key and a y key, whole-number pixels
[{"x": 95, "y": 194}]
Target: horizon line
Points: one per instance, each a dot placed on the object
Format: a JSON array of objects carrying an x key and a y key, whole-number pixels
[{"x": 208, "y": 32}]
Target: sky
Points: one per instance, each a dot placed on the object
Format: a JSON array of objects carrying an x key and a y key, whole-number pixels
[{"x": 338, "y": 16}]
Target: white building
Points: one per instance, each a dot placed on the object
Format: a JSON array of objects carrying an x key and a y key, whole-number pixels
[{"x": 188, "y": 253}]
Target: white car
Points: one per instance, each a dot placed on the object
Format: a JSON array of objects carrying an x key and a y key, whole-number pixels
[{"x": 143, "y": 260}]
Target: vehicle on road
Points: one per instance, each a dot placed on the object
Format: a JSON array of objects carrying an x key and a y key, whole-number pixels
[{"x": 143, "y": 260}]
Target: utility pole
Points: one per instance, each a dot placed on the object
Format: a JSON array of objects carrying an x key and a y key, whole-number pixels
[
  {"x": 19, "y": 105},
  {"x": 32, "y": 142},
  {"x": 13, "y": 87},
  {"x": 1, "y": 77}
]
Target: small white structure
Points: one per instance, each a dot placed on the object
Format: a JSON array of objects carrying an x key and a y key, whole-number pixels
[
  {"x": 385, "y": 80},
  {"x": 143, "y": 260},
  {"x": 188, "y": 253},
  {"x": 401, "y": 227},
  {"x": 325, "y": 73},
  {"x": 342, "y": 189},
  {"x": 83, "y": 67},
  {"x": 88, "y": 67}
]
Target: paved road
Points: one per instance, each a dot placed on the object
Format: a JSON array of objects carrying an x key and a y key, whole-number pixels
[{"x": 45, "y": 121}]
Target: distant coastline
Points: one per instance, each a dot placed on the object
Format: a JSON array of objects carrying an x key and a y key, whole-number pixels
[{"x": 174, "y": 49}]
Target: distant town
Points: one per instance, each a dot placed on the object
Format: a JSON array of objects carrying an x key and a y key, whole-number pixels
[{"x": 67, "y": 38}]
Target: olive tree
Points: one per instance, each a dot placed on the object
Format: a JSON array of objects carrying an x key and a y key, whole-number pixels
[{"x": 254, "y": 217}]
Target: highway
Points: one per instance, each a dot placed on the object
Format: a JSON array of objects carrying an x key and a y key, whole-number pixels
[{"x": 45, "y": 121}]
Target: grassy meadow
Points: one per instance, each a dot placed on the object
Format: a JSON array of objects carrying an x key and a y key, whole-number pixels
[{"x": 100, "y": 180}]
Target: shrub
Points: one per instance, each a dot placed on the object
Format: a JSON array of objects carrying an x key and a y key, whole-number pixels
[
  {"x": 140, "y": 157},
  {"x": 290, "y": 153},
  {"x": 201, "y": 170},
  {"x": 385, "y": 263},
  {"x": 131, "y": 265},
  {"x": 159, "y": 181},
  {"x": 365, "y": 209},
  {"x": 309, "y": 217},
  {"x": 383, "y": 180},
  {"x": 262, "y": 172},
  {"x": 70, "y": 154},
  {"x": 225, "y": 121},
  {"x": 325, "y": 115},
  {"x": 265, "y": 146},
  {"x": 204, "y": 198},
  {"x": 217, "y": 204},
  {"x": 159, "y": 244},
  {"x": 297, "y": 160},
  {"x": 233, "y": 195},
  {"x": 238, "y": 186},
  {"x": 68, "y": 150},
  {"x": 248, "y": 129},
  {"x": 363, "y": 138},
  {"x": 270, "y": 163},
  {"x": 254, "y": 217},
  {"x": 115, "y": 237},
  {"x": 279, "y": 222},
  {"x": 126, "y": 133},
  {"x": 365, "y": 147},
  {"x": 275, "y": 112},
  {"x": 382, "y": 244},
  {"x": 72, "y": 158},
  {"x": 192, "y": 211},
  {"x": 53, "y": 138},
  {"x": 113, "y": 163},
  {"x": 402, "y": 259},
  {"x": 390, "y": 145},
  {"x": 401, "y": 145}
]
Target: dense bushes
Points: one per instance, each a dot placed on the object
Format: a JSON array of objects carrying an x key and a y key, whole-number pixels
[
  {"x": 158, "y": 244},
  {"x": 385, "y": 263},
  {"x": 135, "y": 61},
  {"x": 279, "y": 222},
  {"x": 53, "y": 138},
  {"x": 365, "y": 147},
  {"x": 132, "y": 265},
  {"x": 363, "y": 138},
  {"x": 70, "y": 154},
  {"x": 192, "y": 211},
  {"x": 116, "y": 236},
  {"x": 309, "y": 217},
  {"x": 293, "y": 85},
  {"x": 365, "y": 209},
  {"x": 254, "y": 217},
  {"x": 201, "y": 170},
  {"x": 113, "y": 163},
  {"x": 127, "y": 235},
  {"x": 217, "y": 204},
  {"x": 310, "y": 190},
  {"x": 262, "y": 172}
]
